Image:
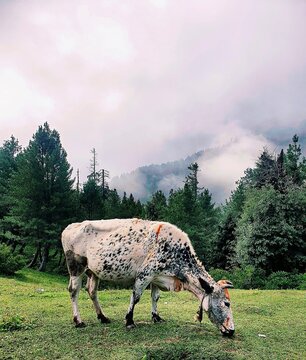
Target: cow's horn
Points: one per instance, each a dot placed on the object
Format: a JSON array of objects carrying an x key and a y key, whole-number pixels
[{"x": 225, "y": 284}]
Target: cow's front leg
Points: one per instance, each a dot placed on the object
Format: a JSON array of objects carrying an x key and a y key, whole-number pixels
[
  {"x": 140, "y": 284},
  {"x": 74, "y": 287},
  {"x": 155, "y": 297}
]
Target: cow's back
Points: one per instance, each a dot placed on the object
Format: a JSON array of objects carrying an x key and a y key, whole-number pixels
[
  {"x": 113, "y": 249},
  {"x": 117, "y": 249}
]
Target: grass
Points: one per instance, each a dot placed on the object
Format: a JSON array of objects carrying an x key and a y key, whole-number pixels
[{"x": 35, "y": 323}]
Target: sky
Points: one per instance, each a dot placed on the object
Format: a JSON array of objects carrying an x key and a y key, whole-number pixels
[{"x": 152, "y": 81}]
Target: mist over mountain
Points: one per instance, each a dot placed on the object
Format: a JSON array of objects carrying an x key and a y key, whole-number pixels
[
  {"x": 220, "y": 166},
  {"x": 146, "y": 180}
]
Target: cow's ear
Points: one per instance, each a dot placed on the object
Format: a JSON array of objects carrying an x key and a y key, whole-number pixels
[{"x": 206, "y": 286}]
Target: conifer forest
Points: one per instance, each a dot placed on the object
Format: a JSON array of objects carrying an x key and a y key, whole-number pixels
[{"x": 258, "y": 235}]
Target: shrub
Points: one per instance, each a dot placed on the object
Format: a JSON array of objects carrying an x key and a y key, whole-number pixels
[
  {"x": 9, "y": 262},
  {"x": 242, "y": 278},
  {"x": 220, "y": 274},
  {"x": 302, "y": 282},
  {"x": 283, "y": 280},
  {"x": 248, "y": 278}
]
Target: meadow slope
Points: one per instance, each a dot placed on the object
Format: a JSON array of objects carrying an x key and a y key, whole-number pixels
[{"x": 36, "y": 323}]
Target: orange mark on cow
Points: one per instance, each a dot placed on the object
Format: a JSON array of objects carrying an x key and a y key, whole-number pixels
[
  {"x": 158, "y": 230},
  {"x": 227, "y": 295},
  {"x": 177, "y": 285},
  {"x": 223, "y": 283}
]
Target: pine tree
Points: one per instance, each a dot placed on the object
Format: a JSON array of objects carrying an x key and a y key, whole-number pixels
[
  {"x": 124, "y": 208},
  {"x": 192, "y": 179},
  {"x": 295, "y": 164},
  {"x": 130, "y": 208},
  {"x": 94, "y": 175},
  {"x": 8, "y": 165},
  {"x": 91, "y": 200},
  {"x": 42, "y": 191},
  {"x": 223, "y": 254},
  {"x": 265, "y": 172},
  {"x": 156, "y": 207},
  {"x": 272, "y": 228},
  {"x": 112, "y": 205}
]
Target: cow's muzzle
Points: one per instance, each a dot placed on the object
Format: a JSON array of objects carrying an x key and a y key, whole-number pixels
[{"x": 227, "y": 332}]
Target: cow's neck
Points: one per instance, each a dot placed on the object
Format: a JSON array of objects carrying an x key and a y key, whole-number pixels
[
  {"x": 193, "y": 285},
  {"x": 199, "y": 293}
]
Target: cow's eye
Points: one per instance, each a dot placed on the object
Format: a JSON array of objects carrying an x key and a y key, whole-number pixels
[{"x": 227, "y": 304}]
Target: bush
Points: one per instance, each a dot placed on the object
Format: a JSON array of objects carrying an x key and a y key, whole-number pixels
[
  {"x": 9, "y": 263},
  {"x": 283, "y": 280},
  {"x": 242, "y": 278},
  {"x": 248, "y": 278},
  {"x": 252, "y": 278},
  {"x": 220, "y": 274},
  {"x": 302, "y": 282}
]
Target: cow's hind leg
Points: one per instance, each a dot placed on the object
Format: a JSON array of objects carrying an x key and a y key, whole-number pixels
[
  {"x": 92, "y": 287},
  {"x": 140, "y": 285},
  {"x": 76, "y": 266},
  {"x": 155, "y": 297},
  {"x": 74, "y": 287}
]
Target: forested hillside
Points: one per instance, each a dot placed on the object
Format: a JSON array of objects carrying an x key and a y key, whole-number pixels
[
  {"x": 259, "y": 231},
  {"x": 146, "y": 180}
]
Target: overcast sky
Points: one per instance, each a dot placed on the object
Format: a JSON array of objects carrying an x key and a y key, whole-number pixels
[{"x": 153, "y": 81}]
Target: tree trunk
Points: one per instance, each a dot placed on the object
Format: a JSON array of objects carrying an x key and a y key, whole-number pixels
[
  {"x": 35, "y": 258},
  {"x": 21, "y": 250},
  {"x": 64, "y": 261},
  {"x": 45, "y": 258}
]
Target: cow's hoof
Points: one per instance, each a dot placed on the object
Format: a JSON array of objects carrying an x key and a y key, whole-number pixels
[
  {"x": 80, "y": 325},
  {"x": 103, "y": 319},
  {"x": 157, "y": 319},
  {"x": 130, "y": 327}
]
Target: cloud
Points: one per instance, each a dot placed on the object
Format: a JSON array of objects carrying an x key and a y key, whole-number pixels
[
  {"x": 222, "y": 166},
  {"x": 133, "y": 183}
]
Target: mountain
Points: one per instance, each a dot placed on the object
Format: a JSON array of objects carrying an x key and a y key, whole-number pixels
[
  {"x": 146, "y": 180},
  {"x": 220, "y": 167}
]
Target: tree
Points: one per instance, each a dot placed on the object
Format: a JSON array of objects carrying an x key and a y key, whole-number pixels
[
  {"x": 156, "y": 207},
  {"x": 8, "y": 164},
  {"x": 209, "y": 217},
  {"x": 112, "y": 204},
  {"x": 192, "y": 179},
  {"x": 94, "y": 175},
  {"x": 264, "y": 173},
  {"x": 271, "y": 230},
  {"x": 91, "y": 200},
  {"x": 295, "y": 164},
  {"x": 195, "y": 214},
  {"x": 41, "y": 190},
  {"x": 130, "y": 208},
  {"x": 176, "y": 213},
  {"x": 223, "y": 253}
]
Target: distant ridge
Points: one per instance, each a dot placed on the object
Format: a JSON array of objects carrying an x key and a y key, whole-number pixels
[{"x": 146, "y": 180}]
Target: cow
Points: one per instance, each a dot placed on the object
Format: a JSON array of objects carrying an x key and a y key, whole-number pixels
[{"x": 142, "y": 253}]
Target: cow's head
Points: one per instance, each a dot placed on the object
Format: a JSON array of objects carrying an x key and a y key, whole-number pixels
[{"x": 216, "y": 303}]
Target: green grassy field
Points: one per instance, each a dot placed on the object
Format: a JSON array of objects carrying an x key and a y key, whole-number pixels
[{"x": 36, "y": 323}]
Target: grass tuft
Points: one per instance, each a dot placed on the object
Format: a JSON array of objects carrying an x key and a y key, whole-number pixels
[{"x": 14, "y": 322}]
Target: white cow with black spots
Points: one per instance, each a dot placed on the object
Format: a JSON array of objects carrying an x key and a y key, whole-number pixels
[{"x": 142, "y": 253}]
